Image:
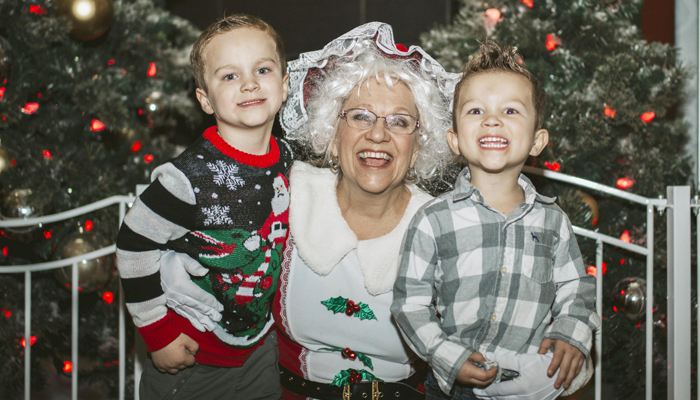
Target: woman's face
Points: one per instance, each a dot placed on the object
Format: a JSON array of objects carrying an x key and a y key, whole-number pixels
[{"x": 375, "y": 160}]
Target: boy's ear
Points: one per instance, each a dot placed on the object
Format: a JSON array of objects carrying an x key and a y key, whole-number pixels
[
  {"x": 541, "y": 140},
  {"x": 204, "y": 101},
  {"x": 285, "y": 87},
  {"x": 453, "y": 141}
]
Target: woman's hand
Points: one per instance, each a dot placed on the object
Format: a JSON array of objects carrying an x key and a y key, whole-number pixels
[{"x": 184, "y": 296}]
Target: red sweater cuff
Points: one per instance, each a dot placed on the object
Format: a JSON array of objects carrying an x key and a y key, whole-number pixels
[{"x": 160, "y": 333}]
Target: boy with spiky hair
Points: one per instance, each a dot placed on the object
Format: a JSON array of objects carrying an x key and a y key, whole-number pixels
[
  {"x": 223, "y": 202},
  {"x": 500, "y": 260}
]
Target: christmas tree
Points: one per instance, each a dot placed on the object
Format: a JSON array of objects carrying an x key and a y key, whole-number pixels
[
  {"x": 612, "y": 119},
  {"x": 93, "y": 95}
]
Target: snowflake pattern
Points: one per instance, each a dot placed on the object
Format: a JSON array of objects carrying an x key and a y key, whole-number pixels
[
  {"x": 226, "y": 174},
  {"x": 216, "y": 215}
]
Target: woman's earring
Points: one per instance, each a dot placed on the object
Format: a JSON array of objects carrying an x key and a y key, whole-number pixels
[
  {"x": 411, "y": 174},
  {"x": 334, "y": 164}
]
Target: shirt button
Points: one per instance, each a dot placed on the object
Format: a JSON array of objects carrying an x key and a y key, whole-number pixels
[
  {"x": 493, "y": 317},
  {"x": 504, "y": 270}
]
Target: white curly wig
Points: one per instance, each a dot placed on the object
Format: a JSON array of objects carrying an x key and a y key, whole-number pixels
[
  {"x": 321, "y": 81},
  {"x": 338, "y": 82}
]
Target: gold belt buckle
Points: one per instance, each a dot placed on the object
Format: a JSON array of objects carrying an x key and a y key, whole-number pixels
[
  {"x": 375, "y": 390},
  {"x": 346, "y": 392}
]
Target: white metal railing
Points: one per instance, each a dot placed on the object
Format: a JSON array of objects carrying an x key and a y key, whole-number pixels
[
  {"x": 678, "y": 291},
  {"x": 679, "y": 299},
  {"x": 122, "y": 201}
]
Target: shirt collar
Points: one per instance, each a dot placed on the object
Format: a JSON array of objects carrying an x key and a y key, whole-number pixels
[{"x": 464, "y": 189}]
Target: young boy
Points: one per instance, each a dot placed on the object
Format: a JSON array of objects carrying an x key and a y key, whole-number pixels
[
  {"x": 224, "y": 202},
  {"x": 500, "y": 260}
]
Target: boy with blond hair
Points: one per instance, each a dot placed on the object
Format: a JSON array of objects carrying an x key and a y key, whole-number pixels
[
  {"x": 500, "y": 260},
  {"x": 224, "y": 203}
]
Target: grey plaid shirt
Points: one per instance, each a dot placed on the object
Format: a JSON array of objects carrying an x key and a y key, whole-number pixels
[{"x": 501, "y": 284}]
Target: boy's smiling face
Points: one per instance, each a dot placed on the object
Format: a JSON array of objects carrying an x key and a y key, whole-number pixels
[
  {"x": 495, "y": 128},
  {"x": 245, "y": 83}
]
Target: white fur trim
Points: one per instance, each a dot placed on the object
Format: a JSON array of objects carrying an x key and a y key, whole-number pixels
[{"x": 323, "y": 238}]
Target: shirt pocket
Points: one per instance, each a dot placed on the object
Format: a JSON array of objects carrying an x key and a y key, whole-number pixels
[{"x": 537, "y": 261}]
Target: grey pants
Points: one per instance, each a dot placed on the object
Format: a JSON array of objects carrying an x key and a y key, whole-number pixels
[{"x": 257, "y": 378}]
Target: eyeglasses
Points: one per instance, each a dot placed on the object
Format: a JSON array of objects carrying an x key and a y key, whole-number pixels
[{"x": 359, "y": 118}]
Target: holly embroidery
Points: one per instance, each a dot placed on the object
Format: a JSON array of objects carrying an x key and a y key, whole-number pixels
[
  {"x": 341, "y": 304},
  {"x": 349, "y": 376},
  {"x": 352, "y": 354}
]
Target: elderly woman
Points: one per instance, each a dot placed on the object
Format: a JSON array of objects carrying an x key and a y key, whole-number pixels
[{"x": 376, "y": 115}]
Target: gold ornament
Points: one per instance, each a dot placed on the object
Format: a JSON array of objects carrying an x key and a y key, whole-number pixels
[
  {"x": 92, "y": 274},
  {"x": 89, "y": 19},
  {"x": 590, "y": 200},
  {"x": 5, "y": 160}
]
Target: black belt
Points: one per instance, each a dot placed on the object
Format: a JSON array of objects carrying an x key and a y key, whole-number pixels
[{"x": 360, "y": 390}]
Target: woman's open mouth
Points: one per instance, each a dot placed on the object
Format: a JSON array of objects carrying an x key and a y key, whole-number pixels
[{"x": 374, "y": 158}]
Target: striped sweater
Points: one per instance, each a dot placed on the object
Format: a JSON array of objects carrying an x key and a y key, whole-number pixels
[{"x": 228, "y": 210}]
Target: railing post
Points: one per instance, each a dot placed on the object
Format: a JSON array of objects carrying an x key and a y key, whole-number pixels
[{"x": 678, "y": 290}]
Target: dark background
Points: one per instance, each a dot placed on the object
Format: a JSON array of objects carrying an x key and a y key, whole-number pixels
[{"x": 307, "y": 25}]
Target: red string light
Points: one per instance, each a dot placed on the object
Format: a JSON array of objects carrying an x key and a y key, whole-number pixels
[
  {"x": 36, "y": 9},
  {"x": 88, "y": 225},
  {"x": 46, "y": 154},
  {"x": 625, "y": 237},
  {"x": 624, "y": 183},
  {"x": 554, "y": 166},
  {"x": 528, "y": 3},
  {"x": 4, "y": 251},
  {"x": 32, "y": 340},
  {"x": 151, "y": 70},
  {"x": 136, "y": 147},
  {"x": 148, "y": 158},
  {"x": 493, "y": 14},
  {"x": 648, "y": 116},
  {"x": 110, "y": 62},
  {"x": 592, "y": 270},
  {"x": 609, "y": 112},
  {"x": 108, "y": 297},
  {"x": 67, "y": 366},
  {"x": 47, "y": 234},
  {"x": 552, "y": 42},
  {"x": 7, "y": 313},
  {"x": 30, "y": 108},
  {"x": 96, "y": 125},
  {"x": 2, "y": 92}
]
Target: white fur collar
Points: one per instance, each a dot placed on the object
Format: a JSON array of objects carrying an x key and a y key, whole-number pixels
[{"x": 323, "y": 238}]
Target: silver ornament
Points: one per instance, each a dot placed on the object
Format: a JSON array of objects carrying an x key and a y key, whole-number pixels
[
  {"x": 92, "y": 274},
  {"x": 20, "y": 203},
  {"x": 153, "y": 108},
  {"x": 629, "y": 297}
]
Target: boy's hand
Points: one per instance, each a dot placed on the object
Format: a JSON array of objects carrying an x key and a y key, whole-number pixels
[
  {"x": 472, "y": 375},
  {"x": 176, "y": 356},
  {"x": 567, "y": 359}
]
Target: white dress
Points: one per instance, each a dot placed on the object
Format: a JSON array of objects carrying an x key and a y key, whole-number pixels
[{"x": 325, "y": 262}]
